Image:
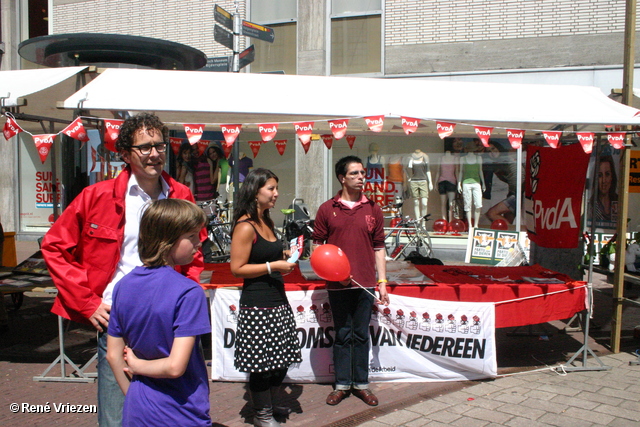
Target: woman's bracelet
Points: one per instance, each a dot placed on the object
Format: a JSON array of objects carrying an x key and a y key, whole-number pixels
[{"x": 268, "y": 267}]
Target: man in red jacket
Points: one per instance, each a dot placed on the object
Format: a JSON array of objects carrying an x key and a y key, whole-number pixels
[{"x": 94, "y": 243}]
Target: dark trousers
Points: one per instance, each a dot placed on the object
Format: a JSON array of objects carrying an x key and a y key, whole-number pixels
[{"x": 351, "y": 314}]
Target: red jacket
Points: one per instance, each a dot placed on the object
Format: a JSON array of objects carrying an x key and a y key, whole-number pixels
[{"x": 82, "y": 248}]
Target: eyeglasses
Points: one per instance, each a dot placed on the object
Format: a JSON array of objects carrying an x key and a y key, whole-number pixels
[{"x": 145, "y": 149}]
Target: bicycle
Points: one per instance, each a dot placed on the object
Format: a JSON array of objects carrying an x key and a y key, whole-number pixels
[
  {"x": 217, "y": 247},
  {"x": 292, "y": 228},
  {"x": 405, "y": 234}
]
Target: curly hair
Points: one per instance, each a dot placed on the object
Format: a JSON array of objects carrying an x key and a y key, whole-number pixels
[{"x": 148, "y": 122}]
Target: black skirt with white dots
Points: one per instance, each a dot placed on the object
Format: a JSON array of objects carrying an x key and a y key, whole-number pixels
[{"x": 266, "y": 339}]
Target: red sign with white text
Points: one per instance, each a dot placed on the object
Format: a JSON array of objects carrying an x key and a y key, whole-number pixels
[
  {"x": 202, "y": 146},
  {"x": 552, "y": 137},
  {"x": 515, "y": 137},
  {"x": 586, "y": 140},
  {"x": 409, "y": 124},
  {"x": 111, "y": 132},
  {"x": 445, "y": 129},
  {"x": 230, "y": 133},
  {"x": 11, "y": 128},
  {"x": 194, "y": 132},
  {"x": 268, "y": 132},
  {"x": 76, "y": 130},
  {"x": 327, "y": 139},
  {"x": 338, "y": 127},
  {"x": 350, "y": 140},
  {"x": 175, "y": 145},
  {"x": 281, "y": 144},
  {"x": 303, "y": 130},
  {"x": 375, "y": 123},
  {"x": 255, "y": 147},
  {"x": 43, "y": 144},
  {"x": 484, "y": 133},
  {"x": 616, "y": 139}
]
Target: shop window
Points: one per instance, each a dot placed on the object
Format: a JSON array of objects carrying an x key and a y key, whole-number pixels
[
  {"x": 38, "y": 18},
  {"x": 356, "y": 45},
  {"x": 279, "y": 55}
]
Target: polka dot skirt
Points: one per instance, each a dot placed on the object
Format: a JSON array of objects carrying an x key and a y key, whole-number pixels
[{"x": 266, "y": 339}]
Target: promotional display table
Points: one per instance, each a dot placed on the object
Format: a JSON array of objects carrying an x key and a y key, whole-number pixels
[{"x": 518, "y": 301}]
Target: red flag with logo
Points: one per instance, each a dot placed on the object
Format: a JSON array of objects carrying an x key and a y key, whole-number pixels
[
  {"x": 111, "y": 132},
  {"x": 409, "y": 124},
  {"x": 227, "y": 150},
  {"x": 586, "y": 140},
  {"x": 305, "y": 145},
  {"x": 194, "y": 132},
  {"x": 230, "y": 133},
  {"x": 484, "y": 133},
  {"x": 11, "y": 128},
  {"x": 375, "y": 123},
  {"x": 552, "y": 137},
  {"x": 175, "y": 145},
  {"x": 255, "y": 147},
  {"x": 202, "y": 146},
  {"x": 43, "y": 144},
  {"x": 303, "y": 130},
  {"x": 338, "y": 127},
  {"x": 268, "y": 132},
  {"x": 445, "y": 129},
  {"x": 281, "y": 144},
  {"x": 350, "y": 140},
  {"x": 515, "y": 137},
  {"x": 76, "y": 130},
  {"x": 616, "y": 139},
  {"x": 328, "y": 140},
  {"x": 553, "y": 194}
]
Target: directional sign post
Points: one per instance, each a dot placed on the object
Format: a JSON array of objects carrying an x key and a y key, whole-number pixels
[
  {"x": 223, "y": 17},
  {"x": 219, "y": 63},
  {"x": 256, "y": 31},
  {"x": 223, "y": 36},
  {"x": 247, "y": 56}
]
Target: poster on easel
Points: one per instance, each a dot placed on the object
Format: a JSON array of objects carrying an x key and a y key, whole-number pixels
[{"x": 489, "y": 247}]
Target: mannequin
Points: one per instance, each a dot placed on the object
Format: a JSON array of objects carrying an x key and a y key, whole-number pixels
[
  {"x": 396, "y": 177},
  {"x": 244, "y": 165},
  {"x": 471, "y": 184},
  {"x": 375, "y": 184},
  {"x": 419, "y": 181},
  {"x": 447, "y": 179}
]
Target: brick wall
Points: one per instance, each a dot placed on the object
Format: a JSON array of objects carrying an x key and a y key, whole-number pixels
[{"x": 452, "y": 21}]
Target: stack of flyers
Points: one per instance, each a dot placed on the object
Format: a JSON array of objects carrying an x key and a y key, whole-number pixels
[
  {"x": 15, "y": 283},
  {"x": 296, "y": 245}
]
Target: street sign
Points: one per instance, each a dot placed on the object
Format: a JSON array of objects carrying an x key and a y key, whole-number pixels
[
  {"x": 223, "y": 36},
  {"x": 223, "y": 17},
  {"x": 247, "y": 56},
  {"x": 257, "y": 31},
  {"x": 219, "y": 63}
]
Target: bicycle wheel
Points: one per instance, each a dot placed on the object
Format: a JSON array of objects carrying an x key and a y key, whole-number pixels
[
  {"x": 423, "y": 243},
  {"x": 401, "y": 241}
]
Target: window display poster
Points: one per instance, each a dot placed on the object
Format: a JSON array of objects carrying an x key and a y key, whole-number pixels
[
  {"x": 36, "y": 186},
  {"x": 487, "y": 246},
  {"x": 603, "y": 203}
]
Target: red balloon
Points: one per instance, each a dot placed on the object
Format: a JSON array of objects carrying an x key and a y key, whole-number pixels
[
  {"x": 500, "y": 224},
  {"x": 330, "y": 263},
  {"x": 458, "y": 226},
  {"x": 441, "y": 225}
]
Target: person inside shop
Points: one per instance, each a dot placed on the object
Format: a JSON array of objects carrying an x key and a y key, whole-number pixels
[
  {"x": 471, "y": 183},
  {"x": 606, "y": 205},
  {"x": 375, "y": 180},
  {"x": 447, "y": 179},
  {"x": 420, "y": 183},
  {"x": 223, "y": 173},
  {"x": 206, "y": 172},
  {"x": 184, "y": 166},
  {"x": 355, "y": 224},
  {"x": 244, "y": 165},
  {"x": 506, "y": 170},
  {"x": 94, "y": 242},
  {"x": 266, "y": 341},
  {"x": 156, "y": 321}
]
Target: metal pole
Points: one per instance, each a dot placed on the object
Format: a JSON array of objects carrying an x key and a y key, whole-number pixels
[
  {"x": 623, "y": 183},
  {"x": 235, "y": 67}
]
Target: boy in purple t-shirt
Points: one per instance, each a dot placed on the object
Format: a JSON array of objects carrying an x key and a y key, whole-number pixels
[{"x": 156, "y": 320}]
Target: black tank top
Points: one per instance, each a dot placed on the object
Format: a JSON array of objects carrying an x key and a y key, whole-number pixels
[{"x": 267, "y": 290}]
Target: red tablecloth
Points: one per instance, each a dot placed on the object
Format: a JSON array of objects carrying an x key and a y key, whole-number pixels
[{"x": 518, "y": 302}]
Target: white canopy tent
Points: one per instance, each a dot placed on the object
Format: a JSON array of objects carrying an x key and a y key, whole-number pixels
[{"x": 229, "y": 98}]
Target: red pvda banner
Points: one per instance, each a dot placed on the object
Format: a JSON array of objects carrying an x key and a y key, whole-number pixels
[{"x": 553, "y": 194}]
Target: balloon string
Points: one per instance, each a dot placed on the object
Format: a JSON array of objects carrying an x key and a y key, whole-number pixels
[{"x": 365, "y": 289}]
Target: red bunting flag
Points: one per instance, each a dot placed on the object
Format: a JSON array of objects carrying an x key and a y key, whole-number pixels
[
  {"x": 175, "y": 145},
  {"x": 230, "y": 133},
  {"x": 303, "y": 130},
  {"x": 305, "y": 145},
  {"x": 76, "y": 130},
  {"x": 375, "y": 123},
  {"x": 11, "y": 128},
  {"x": 409, "y": 124},
  {"x": 111, "y": 132},
  {"x": 586, "y": 140},
  {"x": 268, "y": 132},
  {"x": 202, "y": 146},
  {"x": 515, "y": 137},
  {"x": 194, "y": 132},
  {"x": 338, "y": 127},
  {"x": 255, "y": 147},
  {"x": 484, "y": 133},
  {"x": 227, "y": 150},
  {"x": 43, "y": 144},
  {"x": 350, "y": 140},
  {"x": 281, "y": 144},
  {"x": 445, "y": 129},
  {"x": 552, "y": 137},
  {"x": 327, "y": 139},
  {"x": 616, "y": 139}
]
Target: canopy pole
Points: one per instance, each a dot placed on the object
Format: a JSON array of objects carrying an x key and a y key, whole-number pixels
[{"x": 623, "y": 182}]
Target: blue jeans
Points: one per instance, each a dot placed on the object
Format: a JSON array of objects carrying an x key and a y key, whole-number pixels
[
  {"x": 351, "y": 314},
  {"x": 110, "y": 396}
]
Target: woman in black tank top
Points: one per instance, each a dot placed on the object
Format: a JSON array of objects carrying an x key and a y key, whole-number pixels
[{"x": 266, "y": 342}]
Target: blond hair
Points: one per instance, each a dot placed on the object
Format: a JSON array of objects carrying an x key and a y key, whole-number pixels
[{"x": 161, "y": 226}]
